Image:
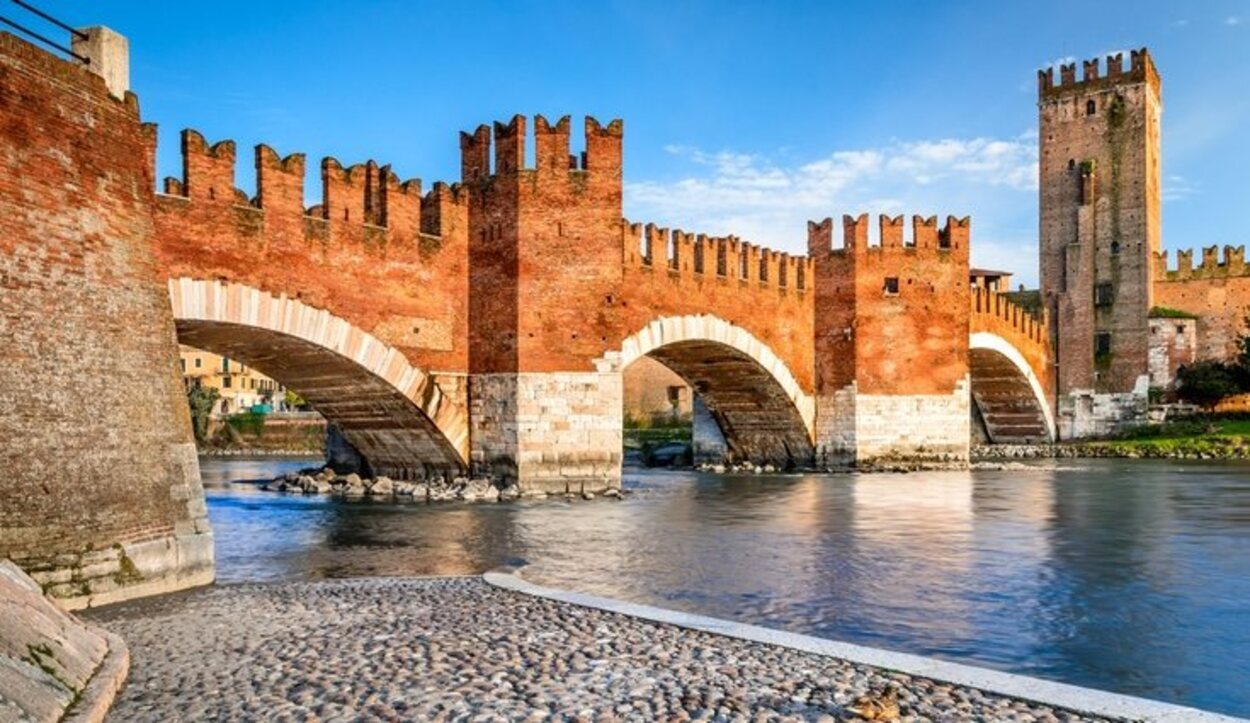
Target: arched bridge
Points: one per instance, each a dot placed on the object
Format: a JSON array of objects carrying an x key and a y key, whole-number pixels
[
  {"x": 486, "y": 324},
  {"x": 1009, "y": 367}
]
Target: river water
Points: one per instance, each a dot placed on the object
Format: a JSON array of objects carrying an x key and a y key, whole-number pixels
[{"x": 1131, "y": 576}]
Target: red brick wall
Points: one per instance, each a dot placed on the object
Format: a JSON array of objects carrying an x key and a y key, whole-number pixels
[
  {"x": 95, "y": 438},
  {"x": 771, "y": 299},
  {"x": 914, "y": 341},
  {"x": 1216, "y": 292},
  {"x": 545, "y": 247},
  {"x": 374, "y": 251}
]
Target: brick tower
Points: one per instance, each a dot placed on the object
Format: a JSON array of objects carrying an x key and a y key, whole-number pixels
[
  {"x": 1099, "y": 230},
  {"x": 891, "y": 341},
  {"x": 545, "y": 277}
]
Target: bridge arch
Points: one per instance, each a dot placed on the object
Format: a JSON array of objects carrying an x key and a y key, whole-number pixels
[
  {"x": 764, "y": 414},
  {"x": 396, "y": 415},
  {"x": 1007, "y": 392}
]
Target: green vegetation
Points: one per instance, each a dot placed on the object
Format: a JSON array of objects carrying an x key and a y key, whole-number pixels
[
  {"x": 1213, "y": 437},
  {"x": 293, "y": 400},
  {"x": 42, "y": 657},
  {"x": 1208, "y": 381},
  {"x": 248, "y": 423},
  {"x": 1028, "y": 299},
  {"x": 201, "y": 400},
  {"x": 127, "y": 572},
  {"x": 1164, "y": 312},
  {"x": 1205, "y": 383},
  {"x": 646, "y": 433}
]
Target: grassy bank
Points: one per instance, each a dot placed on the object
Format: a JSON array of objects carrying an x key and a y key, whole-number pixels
[{"x": 1210, "y": 438}]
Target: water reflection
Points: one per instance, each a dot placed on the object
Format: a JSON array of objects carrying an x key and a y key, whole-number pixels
[{"x": 1126, "y": 576}]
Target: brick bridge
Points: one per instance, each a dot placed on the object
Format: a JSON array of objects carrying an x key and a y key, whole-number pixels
[
  {"x": 482, "y": 325},
  {"x": 486, "y": 323}
]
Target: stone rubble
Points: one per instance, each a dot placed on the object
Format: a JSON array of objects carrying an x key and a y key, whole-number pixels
[
  {"x": 325, "y": 481},
  {"x": 459, "y": 649}
]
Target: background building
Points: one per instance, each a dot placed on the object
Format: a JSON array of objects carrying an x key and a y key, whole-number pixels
[{"x": 238, "y": 386}]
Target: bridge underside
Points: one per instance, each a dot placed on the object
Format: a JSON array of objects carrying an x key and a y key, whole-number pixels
[
  {"x": 1006, "y": 400},
  {"x": 396, "y": 438},
  {"x": 758, "y": 420}
]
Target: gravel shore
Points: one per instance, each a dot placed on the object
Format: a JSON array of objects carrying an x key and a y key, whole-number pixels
[{"x": 459, "y": 649}]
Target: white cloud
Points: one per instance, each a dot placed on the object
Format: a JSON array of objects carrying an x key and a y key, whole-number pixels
[
  {"x": 1054, "y": 64},
  {"x": 1180, "y": 23},
  {"x": 1176, "y": 188},
  {"x": 1232, "y": 20},
  {"x": 769, "y": 202}
]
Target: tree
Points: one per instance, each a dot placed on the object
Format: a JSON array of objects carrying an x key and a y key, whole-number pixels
[
  {"x": 1206, "y": 382},
  {"x": 293, "y": 400},
  {"x": 1243, "y": 354},
  {"x": 201, "y": 400}
]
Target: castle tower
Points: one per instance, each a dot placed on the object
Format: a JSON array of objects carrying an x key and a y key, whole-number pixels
[
  {"x": 1099, "y": 230},
  {"x": 545, "y": 276}
]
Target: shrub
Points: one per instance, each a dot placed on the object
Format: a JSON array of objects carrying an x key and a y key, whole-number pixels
[{"x": 1207, "y": 382}]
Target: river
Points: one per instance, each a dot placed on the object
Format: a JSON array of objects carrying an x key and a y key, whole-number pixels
[{"x": 1131, "y": 576}]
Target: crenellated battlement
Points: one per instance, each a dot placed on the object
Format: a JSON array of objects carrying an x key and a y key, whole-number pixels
[
  {"x": 362, "y": 195},
  {"x": 993, "y": 311},
  {"x": 926, "y": 236},
  {"x": 1210, "y": 266},
  {"x": 552, "y": 156},
  {"x": 1141, "y": 69},
  {"x": 691, "y": 256}
]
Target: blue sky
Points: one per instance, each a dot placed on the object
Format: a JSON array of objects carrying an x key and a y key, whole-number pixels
[{"x": 746, "y": 118}]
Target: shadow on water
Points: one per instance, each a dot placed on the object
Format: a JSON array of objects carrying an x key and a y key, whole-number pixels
[{"x": 1127, "y": 576}]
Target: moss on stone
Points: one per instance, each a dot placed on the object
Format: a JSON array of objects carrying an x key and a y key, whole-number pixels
[
  {"x": 127, "y": 573},
  {"x": 1164, "y": 312}
]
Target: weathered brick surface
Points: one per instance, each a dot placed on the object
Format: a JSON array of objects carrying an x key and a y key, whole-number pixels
[
  {"x": 1173, "y": 344},
  {"x": 1216, "y": 291},
  {"x": 96, "y": 439},
  {"x": 1100, "y": 221}
]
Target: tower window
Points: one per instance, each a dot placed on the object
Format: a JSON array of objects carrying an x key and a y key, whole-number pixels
[
  {"x": 1090, "y": 107},
  {"x": 1102, "y": 343},
  {"x": 1103, "y": 294},
  {"x": 891, "y": 286},
  {"x": 1115, "y": 248},
  {"x": 1071, "y": 164}
]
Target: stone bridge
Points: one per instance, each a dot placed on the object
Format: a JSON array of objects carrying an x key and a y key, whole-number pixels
[{"x": 479, "y": 326}]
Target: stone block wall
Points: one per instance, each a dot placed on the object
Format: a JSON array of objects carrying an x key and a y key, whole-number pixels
[
  {"x": 919, "y": 428},
  {"x": 101, "y": 498},
  {"x": 551, "y": 432},
  {"x": 1173, "y": 344},
  {"x": 1086, "y": 413},
  {"x": 707, "y": 441}
]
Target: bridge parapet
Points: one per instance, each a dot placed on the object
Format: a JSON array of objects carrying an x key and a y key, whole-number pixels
[
  {"x": 364, "y": 201},
  {"x": 994, "y": 312},
  {"x": 700, "y": 256}
]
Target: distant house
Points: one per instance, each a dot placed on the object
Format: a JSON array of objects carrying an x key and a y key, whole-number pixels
[{"x": 239, "y": 386}]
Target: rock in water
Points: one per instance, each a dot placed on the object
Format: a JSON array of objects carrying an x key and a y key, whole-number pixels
[{"x": 382, "y": 487}]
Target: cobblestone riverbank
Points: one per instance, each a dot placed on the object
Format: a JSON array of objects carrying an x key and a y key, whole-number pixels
[{"x": 460, "y": 649}]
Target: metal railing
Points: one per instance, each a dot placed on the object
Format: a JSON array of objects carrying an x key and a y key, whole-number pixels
[{"x": 43, "y": 38}]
